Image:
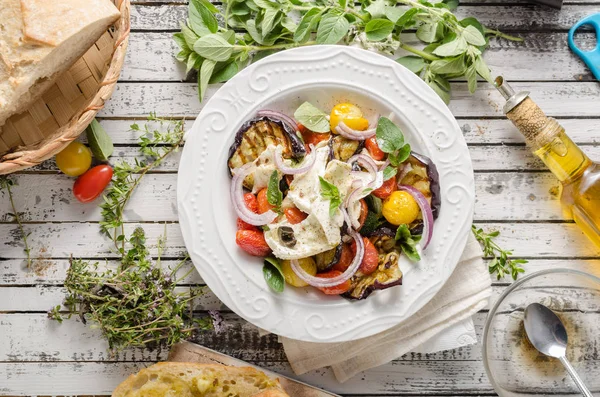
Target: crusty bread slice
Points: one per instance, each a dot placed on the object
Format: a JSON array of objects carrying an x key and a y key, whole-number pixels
[
  {"x": 41, "y": 39},
  {"x": 177, "y": 379}
]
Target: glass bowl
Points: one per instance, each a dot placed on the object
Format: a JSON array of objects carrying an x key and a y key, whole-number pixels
[{"x": 513, "y": 365}]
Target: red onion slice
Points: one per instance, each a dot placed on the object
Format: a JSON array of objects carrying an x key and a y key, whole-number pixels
[
  {"x": 332, "y": 282},
  {"x": 355, "y": 135},
  {"x": 369, "y": 164},
  {"x": 306, "y": 165},
  {"x": 237, "y": 197},
  {"x": 279, "y": 116},
  {"x": 425, "y": 210}
]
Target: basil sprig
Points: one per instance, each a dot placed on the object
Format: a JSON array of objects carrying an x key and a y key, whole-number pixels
[
  {"x": 273, "y": 274},
  {"x": 330, "y": 192},
  {"x": 390, "y": 140},
  {"x": 408, "y": 243}
]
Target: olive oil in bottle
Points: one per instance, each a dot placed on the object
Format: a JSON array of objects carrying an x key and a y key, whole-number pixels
[{"x": 578, "y": 175}]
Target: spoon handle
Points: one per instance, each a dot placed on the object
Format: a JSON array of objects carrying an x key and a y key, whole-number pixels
[{"x": 584, "y": 390}]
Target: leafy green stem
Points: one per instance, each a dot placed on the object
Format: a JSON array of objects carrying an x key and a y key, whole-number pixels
[
  {"x": 416, "y": 51},
  {"x": 498, "y": 33},
  {"x": 357, "y": 14},
  {"x": 6, "y": 183},
  {"x": 272, "y": 47}
]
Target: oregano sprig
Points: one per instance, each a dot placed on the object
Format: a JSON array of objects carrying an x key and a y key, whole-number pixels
[
  {"x": 5, "y": 184},
  {"x": 501, "y": 263},
  {"x": 252, "y": 29}
]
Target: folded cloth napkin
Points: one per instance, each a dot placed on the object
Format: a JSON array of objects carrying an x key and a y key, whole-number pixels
[{"x": 443, "y": 323}]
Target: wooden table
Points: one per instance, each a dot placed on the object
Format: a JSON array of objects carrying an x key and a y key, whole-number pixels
[{"x": 41, "y": 357}]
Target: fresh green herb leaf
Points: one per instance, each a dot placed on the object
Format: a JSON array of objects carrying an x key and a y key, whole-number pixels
[
  {"x": 454, "y": 65},
  {"x": 289, "y": 24},
  {"x": 213, "y": 47},
  {"x": 333, "y": 27},
  {"x": 224, "y": 73},
  {"x": 451, "y": 4},
  {"x": 375, "y": 204},
  {"x": 268, "y": 21},
  {"x": 273, "y": 274},
  {"x": 189, "y": 36},
  {"x": 501, "y": 263},
  {"x": 204, "y": 76},
  {"x": 379, "y": 29},
  {"x": 428, "y": 32},
  {"x": 407, "y": 17},
  {"x": 389, "y": 172},
  {"x": 330, "y": 192},
  {"x": 482, "y": 69},
  {"x": 307, "y": 24},
  {"x": 202, "y": 20},
  {"x": 312, "y": 118},
  {"x": 471, "y": 76},
  {"x": 6, "y": 183},
  {"x": 473, "y": 36},
  {"x": 389, "y": 136},
  {"x": 274, "y": 195},
  {"x": 376, "y": 9},
  {"x": 99, "y": 141},
  {"x": 413, "y": 63},
  {"x": 180, "y": 40},
  {"x": 408, "y": 243},
  {"x": 455, "y": 47},
  {"x": 394, "y": 13}
]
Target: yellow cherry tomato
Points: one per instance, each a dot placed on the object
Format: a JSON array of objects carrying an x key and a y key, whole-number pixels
[
  {"x": 309, "y": 266},
  {"x": 75, "y": 159},
  {"x": 400, "y": 208},
  {"x": 350, "y": 114}
]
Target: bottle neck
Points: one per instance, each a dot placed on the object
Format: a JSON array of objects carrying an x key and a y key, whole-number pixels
[{"x": 561, "y": 155}]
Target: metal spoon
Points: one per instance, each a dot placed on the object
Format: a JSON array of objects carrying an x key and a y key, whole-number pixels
[{"x": 548, "y": 335}]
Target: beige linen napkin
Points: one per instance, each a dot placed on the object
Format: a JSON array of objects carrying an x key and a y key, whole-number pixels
[{"x": 464, "y": 294}]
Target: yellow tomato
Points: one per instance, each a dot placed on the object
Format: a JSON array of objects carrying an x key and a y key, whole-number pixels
[
  {"x": 400, "y": 208},
  {"x": 350, "y": 114},
  {"x": 75, "y": 159},
  {"x": 309, "y": 266}
]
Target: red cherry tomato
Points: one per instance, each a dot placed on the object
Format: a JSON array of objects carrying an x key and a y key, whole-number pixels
[
  {"x": 345, "y": 259},
  {"x": 386, "y": 189},
  {"x": 253, "y": 242},
  {"x": 91, "y": 184},
  {"x": 263, "y": 202},
  {"x": 294, "y": 215},
  {"x": 364, "y": 211},
  {"x": 336, "y": 289},
  {"x": 252, "y": 204},
  {"x": 310, "y": 137},
  {"x": 373, "y": 148},
  {"x": 370, "y": 259}
]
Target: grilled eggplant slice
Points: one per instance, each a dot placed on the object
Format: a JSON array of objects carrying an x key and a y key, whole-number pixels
[
  {"x": 342, "y": 149},
  {"x": 387, "y": 275},
  {"x": 328, "y": 259},
  {"x": 255, "y": 135},
  {"x": 420, "y": 172}
]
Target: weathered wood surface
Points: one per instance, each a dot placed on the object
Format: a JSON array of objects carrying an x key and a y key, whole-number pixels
[{"x": 514, "y": 195}]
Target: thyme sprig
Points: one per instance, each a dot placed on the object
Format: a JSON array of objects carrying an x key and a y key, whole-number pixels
[
  {"x": 501, "y": 263},
  {"x": 157, "y": 141},
  {"x": 5, "y": 184}
]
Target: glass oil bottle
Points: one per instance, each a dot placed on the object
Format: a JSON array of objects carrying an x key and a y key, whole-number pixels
[{"x": 578, "y": 175}]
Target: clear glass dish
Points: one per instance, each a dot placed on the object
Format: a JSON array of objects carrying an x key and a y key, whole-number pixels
[{"x": 513, "y": 365}]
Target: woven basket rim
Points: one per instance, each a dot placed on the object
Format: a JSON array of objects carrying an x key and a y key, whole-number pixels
[{"x": 22, "y": 159}]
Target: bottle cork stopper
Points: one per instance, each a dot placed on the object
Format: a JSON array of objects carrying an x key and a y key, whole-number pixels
[{"x": 531, "y": 121}]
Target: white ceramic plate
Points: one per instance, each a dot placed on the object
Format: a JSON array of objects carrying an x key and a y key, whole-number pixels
[{"x": 323, "y": 75}]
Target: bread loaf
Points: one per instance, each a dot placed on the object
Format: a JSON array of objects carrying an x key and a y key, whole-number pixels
[
  {"x": 41, "y": 39},
  {"x": 177, "y": 379}
]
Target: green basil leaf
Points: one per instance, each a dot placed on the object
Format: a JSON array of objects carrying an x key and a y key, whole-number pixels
[
  {"x": 410, "y": 250},
  {"x": 471, "y": 76},
  {"x": 449, "y": 66},
  {"x": 407, "y": 17},
  {"x": 483, "y": 69},
  {"x": 239, "y": 9},
  {"x": 312, "y": 118},
  {"x": 378, "y": 29},
  {"x": 268, "y": 22},
  {"x": 451, "y": 4},
  {"x": 389, "y": 136},
  {"x": 442, "y": 93},
  {"x": 229, "y": 36},
  {"x": 254, "y": 33},
  {"x": 402, "y": 233},
  {"x": 394, "y": 13},
  {"x": 376, "y": 9},
  {"x": 189, "y": 36},
  {"x": 193, "y": 62},
  {"x": 473, "y": 36},
  {"x": 289, "y": 24},
  {"x": 180, "y": 40},
  {"x": 183, "y": 55},
  {"x": 332, "y": 28},
  {"x": 470, "y": 21},
  {"x": 342, "y": 3},
  {"x": 273, "y": 274},
  {"x": 307, "y": 24},
  {"x": 389, "y": 172},
  {"x": 428, "y": 32},
  {"x": 403, "y": 154},
  {"x": 266, "y": 4},
  {"x": 455, "y": 47},
  {"x": 213, "y": 47},
  {"x": 99, "y": 141},
  {"x": 413, "y": 63},
  {"x": 274, "y": 195},
  {"x": 204, "y": 75},
  {"x": 431, "y": 47},
  {"x": 228, "y": 70},
  {"x": 443, "y": 82},
  {"x": 330, "y": 192},
  {"x": 202, "y": 20}
]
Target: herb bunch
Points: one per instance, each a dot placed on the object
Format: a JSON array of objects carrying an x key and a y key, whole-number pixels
[
  {"x": 135, "y": 305},
  {"x": 5, "y": 185},
  {"x": 252, "y": 29},
  {"x": 501, "y": 263},
  {"x": 160, "y": 138}
]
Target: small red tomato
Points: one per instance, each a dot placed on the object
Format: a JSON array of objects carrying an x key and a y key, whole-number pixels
[
  {"x": 253, "y": 242},
  {"x": 364, "y": 211},
  {"x": 370, "y": 259},
  {"x": 345, "y": 259},
  {"x": 386, "y": 189},
  {"x": 336, "y": 289},
  {"x": 310, "y": 137},
  {"x": 294, "y": 215},
  {"x": 252, "y": 205},
  {"x": 92, "y": 183},
  {"x": 263, "y": 202},
  {"x": 373, "y": 148}
]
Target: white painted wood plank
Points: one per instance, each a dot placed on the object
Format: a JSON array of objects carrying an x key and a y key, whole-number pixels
[
  {"x": 48, "y": 198},
  {"x": 542, "y": 56},
  {"x": 60, "y": 240},
  {"x": 180, "y": 99}
]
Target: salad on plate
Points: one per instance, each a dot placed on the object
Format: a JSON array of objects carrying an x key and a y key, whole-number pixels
[{"x": 332, "y": 200}]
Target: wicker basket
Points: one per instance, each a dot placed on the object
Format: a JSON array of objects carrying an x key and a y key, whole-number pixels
[{"x": 65, "y": 110}]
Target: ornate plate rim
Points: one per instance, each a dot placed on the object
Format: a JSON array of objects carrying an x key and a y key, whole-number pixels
[{"x": 330, "y": 320}]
